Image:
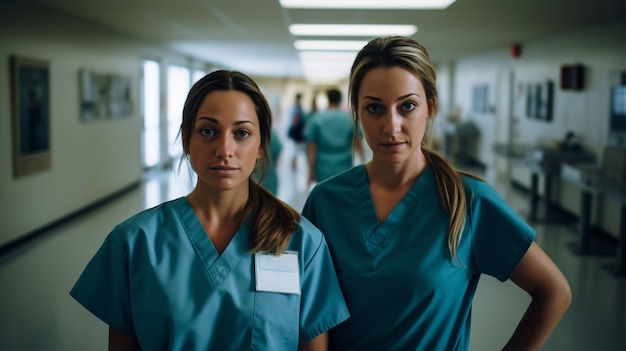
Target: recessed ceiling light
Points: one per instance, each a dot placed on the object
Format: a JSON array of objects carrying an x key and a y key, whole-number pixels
[
  {"x": 341, "y": 56},
  {"x": 368, "y": 4},
  {"x": 334, "y": 45},
  {"x": 362, "y": 30},
  {"x": 326, "y": 65}
]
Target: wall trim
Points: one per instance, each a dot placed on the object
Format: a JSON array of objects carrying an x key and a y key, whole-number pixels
[{"x": 29, "y": 237}]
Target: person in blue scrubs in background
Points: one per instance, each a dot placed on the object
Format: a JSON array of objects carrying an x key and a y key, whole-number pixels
[
  {"x": 296, "y": 128},
  {"x": 410, "y": 235},
  {"x": 229, "y": 266},
  {"x": 270, "y": 179},
  {"x": 329, "y": 140}
]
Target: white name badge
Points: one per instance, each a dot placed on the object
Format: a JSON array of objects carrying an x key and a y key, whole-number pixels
[{"x": 279, "y": 274}]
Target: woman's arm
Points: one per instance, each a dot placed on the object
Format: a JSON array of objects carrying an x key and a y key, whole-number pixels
[
  {"x": 551, "y": 297},
  {"x": 121, "y": 342},
  {"x": 318, "y": 343}
]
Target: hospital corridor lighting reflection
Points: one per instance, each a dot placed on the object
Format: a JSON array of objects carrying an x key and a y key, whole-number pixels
[
  {"x": 361, "y": 30},
  {"x": 333, "y": 45},
  {"x": 368, "y": 4},
  {"x": 326, "y": 66}
]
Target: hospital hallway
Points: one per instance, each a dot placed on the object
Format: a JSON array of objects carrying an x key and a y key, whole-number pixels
[{"x": 38, "y": 313}]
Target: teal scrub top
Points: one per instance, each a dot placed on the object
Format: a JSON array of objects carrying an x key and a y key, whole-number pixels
[
  {"x": 331, "y": 131},
  {"x": 402, "y": 289},
  {"x": 159, "y": 277}
]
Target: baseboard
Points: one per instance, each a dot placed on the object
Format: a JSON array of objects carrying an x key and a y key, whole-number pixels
[{"x": 37, "y": 233}]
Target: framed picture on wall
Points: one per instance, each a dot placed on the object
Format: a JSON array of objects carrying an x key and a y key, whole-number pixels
[
  {"x": 480, "y": 97},
  {"x": 104, "y": 95},
  {"x": 532, "y": 110},
  {"x": 546, "y": 97},
  {"x": 30, "y": 109},
  {"x": 539, "y": 100},
  {"x": 94, "y": 95},
  {"x": 119, "y": 96}
]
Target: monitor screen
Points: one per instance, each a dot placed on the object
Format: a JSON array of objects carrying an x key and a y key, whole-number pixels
[{"x": 618, "y": 108}]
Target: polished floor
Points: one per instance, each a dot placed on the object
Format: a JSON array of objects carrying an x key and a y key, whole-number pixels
[{"x": 36, "y": 312}]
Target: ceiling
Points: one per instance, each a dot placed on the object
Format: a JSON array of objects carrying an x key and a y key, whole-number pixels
[{"x": 252, "y": 35}]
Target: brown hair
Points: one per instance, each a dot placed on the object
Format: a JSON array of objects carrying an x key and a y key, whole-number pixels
[
  {"x": 272, "y": 221},
  {"x": 334, "y": 96},
  {"x": 411, "y": 55}
]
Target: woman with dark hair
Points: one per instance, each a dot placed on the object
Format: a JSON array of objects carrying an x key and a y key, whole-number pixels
[
  {"x": 229, "y": 266},
  {"x": 410, "y": 235}
]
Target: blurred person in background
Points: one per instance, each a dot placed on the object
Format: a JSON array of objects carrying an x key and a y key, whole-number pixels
[
  {"x": 296, "y": 129},
  {"x": 271, "y": 181},
  {"x": 329, "y": 136}
]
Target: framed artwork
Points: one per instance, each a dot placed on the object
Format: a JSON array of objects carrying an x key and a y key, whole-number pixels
[
  {"x": 480, "y": 96},
  {"x": 104, "y": 95},
  {"x": 94, "y": 90},
  {"x": 119, "y": 96},
  {"x": 539, "y": 100},
  {"x": 30, "y": 109}
]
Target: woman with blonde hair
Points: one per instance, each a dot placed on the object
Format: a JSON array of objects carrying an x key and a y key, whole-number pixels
[{"x": 410, "y": 235}]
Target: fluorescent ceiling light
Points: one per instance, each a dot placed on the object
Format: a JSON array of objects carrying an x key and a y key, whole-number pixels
[
  {"x": 368, "y": 4},
  {"x": 323, "y": 81},
  {"x": 332, "y": 45},
  {"x": 362, "y": 30},
  {"x": 320, "y": 77},
  {"x": 340, "y": 56},
  {"x": 326, "y": 66}
]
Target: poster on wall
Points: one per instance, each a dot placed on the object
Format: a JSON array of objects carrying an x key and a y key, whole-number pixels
[
  {"x": 30, "y": 109},
  {"x": 480, "y": 97},
  {"x": 94, "y": 90},
  {"x": 119, "y": 96},
  {"x": 539, "y": 100},
  {"x": 103, "y": 95}
]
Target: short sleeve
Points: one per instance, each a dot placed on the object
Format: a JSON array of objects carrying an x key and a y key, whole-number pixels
[
  {"x": 500, "y": 236},
  {"x": 103, "y": 287},
  {"x": 323, "y": 306}
]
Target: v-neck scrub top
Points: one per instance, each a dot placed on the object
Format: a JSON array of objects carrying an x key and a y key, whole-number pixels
[
  {"x": 159, "y": 277},
  {"x": 402, "y": 289}
]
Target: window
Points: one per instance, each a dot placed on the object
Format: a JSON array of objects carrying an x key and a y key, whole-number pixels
[
  {"x": 150, "y": 109},
  {"x": 178, "y": 84}
]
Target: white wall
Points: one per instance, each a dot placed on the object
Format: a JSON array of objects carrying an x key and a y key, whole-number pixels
[
  {"x": 90, "y": 160},
  {"x": 601, "y": 49}
]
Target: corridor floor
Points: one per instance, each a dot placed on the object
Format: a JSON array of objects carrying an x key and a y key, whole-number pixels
[{"x": 38, "y": 314}]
